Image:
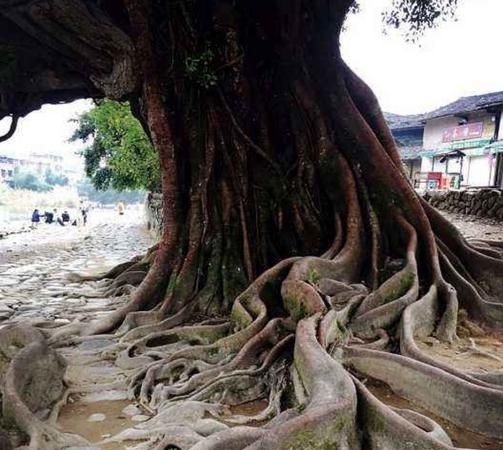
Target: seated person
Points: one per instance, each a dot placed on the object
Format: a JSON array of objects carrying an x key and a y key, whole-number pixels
[
  {"x": 49, "y": 217},
  {"x": 65, "y": 216},
  {"x": 58, "y": 218}
]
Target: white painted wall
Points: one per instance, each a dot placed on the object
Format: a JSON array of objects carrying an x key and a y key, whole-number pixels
[
  {"x": 426, "y": 164},
  {"x": 434, "y": 128},
  {"x": 439, "y": 166},
  {"x": 479, "y": 171}
]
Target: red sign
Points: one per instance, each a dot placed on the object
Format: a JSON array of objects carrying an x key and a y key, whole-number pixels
[{"x": 468, "y": 131}]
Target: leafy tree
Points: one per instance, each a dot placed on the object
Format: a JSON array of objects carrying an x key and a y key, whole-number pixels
[
  {"x": 55, "y": 179},
  {"x": 25, "y": 179},
  {"x": 275, "y": 156},
  {"x": 119, "y": 154},
  {"x": 110, "y": 196}
]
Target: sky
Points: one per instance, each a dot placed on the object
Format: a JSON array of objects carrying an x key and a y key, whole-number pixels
[{"x": 460, "y": 58}]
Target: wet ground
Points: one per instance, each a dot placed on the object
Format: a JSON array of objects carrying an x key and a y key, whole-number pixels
[
  {"x": 460, "y": 438},
  {"x": 34, "y": 268}
]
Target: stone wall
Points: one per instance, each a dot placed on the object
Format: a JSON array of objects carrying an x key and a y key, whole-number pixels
[
  {"x": 153, "y": 213},
  {"x": 481, "y": 202}
]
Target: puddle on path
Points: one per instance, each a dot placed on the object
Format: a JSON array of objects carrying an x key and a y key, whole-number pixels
[
  {"x": 460, "y": 437},
  {"x": 74, "y": 417}
]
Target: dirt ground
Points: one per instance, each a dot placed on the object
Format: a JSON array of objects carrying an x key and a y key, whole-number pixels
[{"x": 476, "y": 227}]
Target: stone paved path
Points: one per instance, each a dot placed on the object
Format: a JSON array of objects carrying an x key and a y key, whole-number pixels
[
  {"x": 34, "y": 286},
  {"x": 34, "y": 266}
]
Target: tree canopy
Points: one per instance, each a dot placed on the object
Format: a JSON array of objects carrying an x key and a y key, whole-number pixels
[
  {"x": 28, "y": 179},
  {"x": 48, "y": 65},
  {"x": 119, "y": 154}
]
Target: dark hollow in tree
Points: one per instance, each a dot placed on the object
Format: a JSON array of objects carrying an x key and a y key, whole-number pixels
[{"x": 290, "y": 231}]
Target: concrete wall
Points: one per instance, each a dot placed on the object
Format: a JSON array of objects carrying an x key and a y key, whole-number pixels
[{"x": 434, "y": 128}]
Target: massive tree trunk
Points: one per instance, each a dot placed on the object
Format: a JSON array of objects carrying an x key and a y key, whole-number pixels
[{"x": 286, "y": 213}]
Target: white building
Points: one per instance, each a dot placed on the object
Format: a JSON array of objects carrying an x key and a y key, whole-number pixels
[
  {"x": 36, "y": 163},
  {"x": 463, "y": 141}
]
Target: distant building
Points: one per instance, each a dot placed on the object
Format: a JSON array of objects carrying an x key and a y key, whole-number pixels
[
  {"x": 408, "y": 134},
  {"x": 37, "y": 163},
  {"x": 462, "y": 140},
  {"x": 42, "y": 162},
  {"x": 7, "y": 166}
]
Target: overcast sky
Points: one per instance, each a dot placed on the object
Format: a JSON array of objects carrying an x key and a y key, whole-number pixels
[{"x": 460, "y": 58}]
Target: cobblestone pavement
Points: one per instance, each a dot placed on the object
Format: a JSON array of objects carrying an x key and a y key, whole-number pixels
[{"x": 34, "y": 266}]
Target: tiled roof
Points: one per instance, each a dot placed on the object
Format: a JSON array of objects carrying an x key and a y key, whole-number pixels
[
  {"x": 467, "y": 104},
  {"x": 397, "y": 121},
  {"x": 461, "y": 105}
]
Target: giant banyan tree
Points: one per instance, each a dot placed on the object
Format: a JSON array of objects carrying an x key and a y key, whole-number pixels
[{"x": 296, "y": 260}]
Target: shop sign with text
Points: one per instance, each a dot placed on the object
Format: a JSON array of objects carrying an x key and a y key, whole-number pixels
[{"x": 462, "y": 132}]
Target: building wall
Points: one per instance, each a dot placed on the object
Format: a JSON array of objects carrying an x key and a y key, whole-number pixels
[
  {"x": 412, "y": 167},
  {"x": 477, "y": 170},
  {"x": 434, "y": 128}
]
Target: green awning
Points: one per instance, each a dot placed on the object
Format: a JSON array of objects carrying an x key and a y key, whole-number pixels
[
  {"x": 427, "y": 153},
  {"x": 469, "y": 143},
  {"x": 495, "y": 147},
  {"x": 471, "y": 147}
]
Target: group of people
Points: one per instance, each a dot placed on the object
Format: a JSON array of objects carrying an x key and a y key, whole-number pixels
[{"x": 62, "y": 219}]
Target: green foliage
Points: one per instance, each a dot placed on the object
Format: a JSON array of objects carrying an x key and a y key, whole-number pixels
[
  {"x": 415, "y": 16},
  {"x": 110, "y": 196},
  {"x": 25, "y": 179},
  {"x": 120, "y": 155},
  {"x": 199, "y": 69},
  {"x": 55, "y": 179},
  {"x": 313, "y": 276}
]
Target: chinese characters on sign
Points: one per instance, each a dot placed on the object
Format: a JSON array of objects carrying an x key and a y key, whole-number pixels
[{"x": 469, "y": 131}]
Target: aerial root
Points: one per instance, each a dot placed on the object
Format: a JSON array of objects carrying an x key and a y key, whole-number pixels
[
  {"x": 195, "y": 377},
  {"x": 419, "y": 320},
  {"x": 390, "y": 428},
  {"x": 472, "y": 349},
  {"x": 407, "y": 377},
  {"x": 111, "y": 274},
  {"x": 141, "y": 323},
  {"x": 277, "y": 380},
  {"x": 171, "y": 342},
  {"x": 227, "y": 383}
]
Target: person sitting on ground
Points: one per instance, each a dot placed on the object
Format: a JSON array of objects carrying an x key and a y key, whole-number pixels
[
  {"x": 35, "y": 218},
  {"x": 49, "y": 217},
  {"x": 65, "y": 216},
  {"x": 58, "y": 218}
]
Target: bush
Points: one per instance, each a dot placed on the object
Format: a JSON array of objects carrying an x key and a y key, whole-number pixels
[
  {"x": 55, "y": 179},
  {"x": 24, "y": 179},
  {"x": 85, "y": 188}
]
